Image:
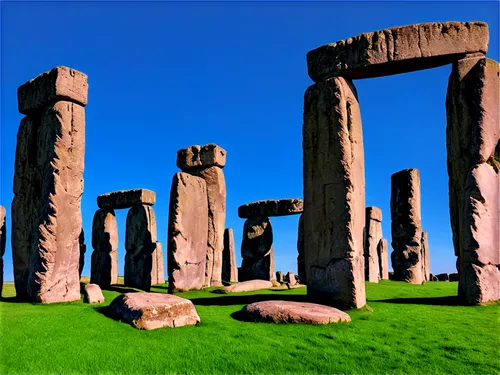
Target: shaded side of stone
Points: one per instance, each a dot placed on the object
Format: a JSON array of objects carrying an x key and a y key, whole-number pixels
[
  {"x": 229, "y": 270},
  {"x": 126, "y": 198},
  {"x": 271, "y": 207},
  {"x": 3, "y": 239},
  {"x": 83, "y": 250},
  {"x": 372, "y": 237},
  {"x": 426, "y": 267},
  {"x": 257, "y": 250},
  {"x": 104, "y": 261},
  {"x": 301, "y": 261},
  {"x": 383, "y": 257}
]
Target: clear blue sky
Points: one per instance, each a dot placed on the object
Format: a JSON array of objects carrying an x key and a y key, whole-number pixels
[{"x": 167, "y": 75}]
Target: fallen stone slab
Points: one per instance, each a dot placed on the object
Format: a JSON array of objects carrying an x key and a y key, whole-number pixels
[
  {"x": 201, "y": 156},
  {"x": 398, "y": 50},
  {"x": 154, "y": 310},
  {"x": 294, "y": 312},
  {"x": 248, "y": 286},
  {"x": 93, "y": 294},
  {"x": 271, "y": 207},
  {"x": 126, "y": 198}
]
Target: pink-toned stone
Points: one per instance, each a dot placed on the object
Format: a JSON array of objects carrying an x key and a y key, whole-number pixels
[
  {"x": 93, "y": 294},
  {"x": 248, "y": 286},
  {"x": 271, "y": 207},
  {"x": 201, "y": 156},
  {"x": 104, "y": 261},
  {"x": 126, "y": 198},
  {"x": 229, "y": 270},
  {"x": 158, "y": 269}
]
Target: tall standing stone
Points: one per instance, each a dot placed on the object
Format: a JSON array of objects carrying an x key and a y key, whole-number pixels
[
  {"x": 83, "y": 250},
  {"x": 372, "y": 237},
  {"x": 334, "y": 194},
  {"x": 104, "y": 261},
  {"x": 406, "y": 226},
  {"x": 257, "y": 250},
  {"x": 383, "y": 257},
  {"x": 229, "y": 270},
  {"x": 426, "y": 268},
  {"x": 158, "y": 271},
  {"x": 187, "y": 232},
  {"x": 472, "y": 138},
  {"x": 48, "y": 185},
  {"x": 301, "y": 262},
  {"x": 3, "y": 239}
]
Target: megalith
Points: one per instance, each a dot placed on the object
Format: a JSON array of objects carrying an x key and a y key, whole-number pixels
[
  {"x": 3, "y": 239},
  {"x": 104, "y": 261},
  {"x": 334, "y": 194},
  {"x": 207, "y": 162},
  {"x": 473, "y": 146},
  {"x": 424, "y": 253},
  {"x": 158, "y": 269},
  {"x": 383, "y": 258},
  {"x": 372, "y": 237},
  {"x": 83, "y": 250},
  {"x": 48, "y": 185},
  {"x": 257, "y": 250},
  {"x": 301, "y": 262},
  {"x": 187, "y": 232},
  {"x": 229, "y": 270}
]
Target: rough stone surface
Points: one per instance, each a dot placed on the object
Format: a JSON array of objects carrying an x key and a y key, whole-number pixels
[
  {"x": 473, "y": 145},
  {"x": 126, "y": 198},
  {"x": 383, "y": 258},
  {"x": 294, "y": 312},
  {"x": 257, "y": 250},
  {"x": 158, "y": 269},
  {"x": 301, "y": 261},
  {"x": 248, "y": 286},
  {"x": 271, "y": 207},
  {"x": 424, "y": 253},
  {"x": 93, "y": 294},
  {"x": 201, "y": 156},
  {"x": 372, "y": 237},
  {"x": 443, "y": 277},
  {"x": 83, "y": 250},
  {"x": 46, "y": 214},
  {"x": 58, "y": 84},
  {"x": 104, "y": 261},
  {"x": 154, "y": 310},
  {"x": 187, "y": 232},
  {"x": 334, "y": 194},
  {"x": 398, "y": 50},
  {"x": 290, "y": 278},
  {"x": 3, "y": 239},
  {"x": 280, "y": 277},
  {"x": 140, "y": 243},
  {"x": 229, "y": 270},
  {"x": 406, "y": 226}
]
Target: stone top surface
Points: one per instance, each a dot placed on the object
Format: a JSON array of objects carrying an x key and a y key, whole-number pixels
[
  {"x": 398, "y": 50},
  {"x": 374, "y": 213},
  {"x": 126, "y": 198},
  {"x": 60, "y": 83},
  {"x": 271, "y": 207},
  {"x": 248, "y": 286},
  {"x": 201, "y": 156}
]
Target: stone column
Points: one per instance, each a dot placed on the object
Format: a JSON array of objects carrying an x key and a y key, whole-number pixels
[
  {"x": 140, "y": 243},
  {"x": 207, "y": 162},
  {"x": 301, "y": 265},
  {"x": 229, "y": 270},
  {"x": 372, "y": 237},
  {"x": 383, "y": 258},
  {"x": 472, "y": 139},
  {"x": 257, "y": 250},
  {"x": 104, "y": 261},
  {"x": 83, "y": 250},
  {"x": 159, "y": 266},
  {"x": 48, "y": 185},
  {"x": 3, "y": 239},
  {"x": 406, "y": 226},
  {"x": 334, "y": 194},
  {"x": 426, "y": 268},
  {"x": 187, "y": 232}
]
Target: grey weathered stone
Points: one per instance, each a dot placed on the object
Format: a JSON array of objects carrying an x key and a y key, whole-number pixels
[
  {"x": 473, "y": 145},
  {"x": 187, "y": 232},
  {"x": 372, "y": 237},
  {"x": 3, "y": 239},
  {"x": 104, "y": 261},
  {"x": 201, "y": 156},
  {"x": 383, "y": 258},
  {"x": 83, "y": 250},
  {"x": 126, "y": 198},
  {"x": 58, "y": 84},
  {"x": 229, "y": 270},
  {"x": 301, "y": 261},
  {"x": 271, "y": 207},
  {"x": 93, "y": 294},
  {"x": 334, "y": 194},
  {"x": 424, "y": 251},
  {"x": 406, "y": 225},
  {"x": 140, "y": 243},
  {"x": 257, "y": 250},
  {"x": 398, "y": 50}
]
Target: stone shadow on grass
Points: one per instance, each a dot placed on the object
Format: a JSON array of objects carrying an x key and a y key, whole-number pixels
[
  {"x": 227, "y": 299},
  {"x": 437, "y": 301}
]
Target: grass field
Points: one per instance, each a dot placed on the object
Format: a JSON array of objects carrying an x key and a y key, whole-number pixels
[{"x": 406, "y": 329}]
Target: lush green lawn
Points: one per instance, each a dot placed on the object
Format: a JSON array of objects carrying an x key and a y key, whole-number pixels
[{"x": 407, "y": 329}]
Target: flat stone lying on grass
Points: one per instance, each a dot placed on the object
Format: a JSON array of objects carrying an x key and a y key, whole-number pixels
[
  {"x": 294, "y": 312},
  {"x": 248, "y": 286},
  {"x": 154, "y": 310},
  {"x": 93, "y": 294}
]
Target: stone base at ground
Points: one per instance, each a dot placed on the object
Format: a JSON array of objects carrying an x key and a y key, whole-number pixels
[
  {"x": 248, "y": 286},
  {"x": 93, "y": 294}
]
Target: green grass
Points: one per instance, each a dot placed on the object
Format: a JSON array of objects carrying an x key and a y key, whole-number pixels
[{"x": 407, "y": 329}]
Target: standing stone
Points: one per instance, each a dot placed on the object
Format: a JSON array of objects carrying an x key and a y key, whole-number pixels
[
  {"x": 406, "y": 226},
  {"x": 280, "y": 277},
  {"x": 83, "y": 250},
  {"x": 290, "y": 278},
  {"x": 301, "y": 263},
  {"x": 104, "y": 261},
  {"x": 426, "y": 268},
  {"x": 229, "y": 271},
  {"x": 140, "y": 243},
  {"x": 334, "y": 194},
  {"x": 3, "y": 239},
  {"x": 372, "y": 237},
  {"x": 159, "y": 266},
  {"x": 187, "y": 232},
  {"x": 472, "y": 139},
  {"x": 48, "y": 185},
  {"x": 257, "y": 250},
  {"x": 383, "y": 257}
]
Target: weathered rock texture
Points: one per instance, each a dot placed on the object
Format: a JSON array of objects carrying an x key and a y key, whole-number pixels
[
  {"x": 201, "y": 156},
  {"x": 140, "y": 243},
  {"x": 248, "y": 286},
  {"x": 187, "y": 232},
  {"x": 3, "y": 239},
  {"x": 48, "y": 185},
  {"x": 372, "y": 237},
  {"x": 406, "y": 226},
  {"x": 334, "y": 194},
  {"x": 93, "y": 294},
  {"x": 257, "y": 250},
  {"x": 424, "y": 254},
  {"x": 154, "y": 310},
  {"x": 280, "y": 277},
  {"x": 126, "y": 198},
  {"x": 158, "y": 268},
  {"x": 229, "y": 270},
  {"x": 473, "y": 132},
  {"x": 272, "y": 207},
  {"x": 443, "y": 277},
  {"x": 301, "y": 261},
  {"x": 290, "y": 278},
  {"x": 293, "y": 312},
  {"x": 398, "y": 50},
  {"x": 83, "y": 250},
  {"x": 104, "y": 261},
  {"x": 383, "y": 258}
]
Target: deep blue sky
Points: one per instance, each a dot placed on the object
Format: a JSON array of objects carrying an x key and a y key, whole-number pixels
[{"x": 167, "y": 75}]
